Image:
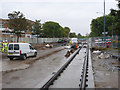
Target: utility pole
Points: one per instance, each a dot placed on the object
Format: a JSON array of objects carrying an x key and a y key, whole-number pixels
[
  {"x": 104, "y": 25},
  {"x": 112, "y": 37}
]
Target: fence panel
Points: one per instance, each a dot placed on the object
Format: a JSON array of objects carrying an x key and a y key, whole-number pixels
[{"x": 31, "y": 40}]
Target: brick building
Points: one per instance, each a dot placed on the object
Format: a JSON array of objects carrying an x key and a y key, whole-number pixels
[{"x": 7, "y": 33}]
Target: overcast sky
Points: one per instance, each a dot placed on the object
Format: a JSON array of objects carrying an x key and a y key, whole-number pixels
[{"x": 75, "y": 14}]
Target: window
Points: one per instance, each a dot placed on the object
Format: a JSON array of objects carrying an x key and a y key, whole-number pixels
[
  {"x": 31, "y": 47},
  {"x": 16, "y": 47},
  {"x": 11, "y": 47},
  {"x": 1, "y": 25}
]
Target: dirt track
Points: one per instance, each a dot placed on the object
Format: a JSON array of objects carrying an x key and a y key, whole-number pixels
[{"x": 38, "y": 71}]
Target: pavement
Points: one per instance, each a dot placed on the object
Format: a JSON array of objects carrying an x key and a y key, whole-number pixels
[{"x": 7, "y": 65}]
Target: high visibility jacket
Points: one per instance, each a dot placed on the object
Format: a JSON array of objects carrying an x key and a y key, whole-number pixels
[
  {"x": 0, "y": 44},
  {"x": 6, "y": 44},
  {"x": 3, "y": 44}
]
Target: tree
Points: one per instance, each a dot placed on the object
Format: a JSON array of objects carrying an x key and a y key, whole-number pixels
[
  {"x": 17, "y": 22},
  {"x": 118, "y": 20},
  {"x": 97, "y": 25},
  {"x": 79, "y": 35},
  {"x": 116, "y": 23},
  {"x": 52, "y": 29},
  {"x": 112, "y": 18},
  {"x": 66, "y": 31},
  {"x": 37, "y": 28},
  {"x": 73, "y": 35}
]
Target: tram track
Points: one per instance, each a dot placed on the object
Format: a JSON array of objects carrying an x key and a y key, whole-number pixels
[{"x": 84, "y": 71}]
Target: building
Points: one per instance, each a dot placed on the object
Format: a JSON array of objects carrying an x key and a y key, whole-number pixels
[{"x": 6, "y": 32}]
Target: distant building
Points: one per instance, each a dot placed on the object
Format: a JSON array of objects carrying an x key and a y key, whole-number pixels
[{"x": 7, "y": 33}]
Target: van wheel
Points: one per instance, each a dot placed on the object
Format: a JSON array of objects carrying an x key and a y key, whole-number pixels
[
  {"x": 35, "y": 54},
  {"x": 24, "y": 57},
  {"x": 11, "y": 58}
]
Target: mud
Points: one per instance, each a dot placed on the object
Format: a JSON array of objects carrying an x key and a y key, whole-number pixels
[
  {"x": 15, "y": 65},
  {"x": 34, "y": 75},
  {"x": 105, "y": 72}
]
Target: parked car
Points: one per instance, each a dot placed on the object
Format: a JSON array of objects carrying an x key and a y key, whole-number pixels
[
  {"x": 61, "y": 41},
  {"x": 20, "y": 50}
]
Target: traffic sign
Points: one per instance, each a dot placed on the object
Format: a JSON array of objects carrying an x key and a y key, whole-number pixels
[{"x": 105, "y": 32}]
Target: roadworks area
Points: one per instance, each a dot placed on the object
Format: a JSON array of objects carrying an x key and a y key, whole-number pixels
[
  {"x": 17, "y": 64},
  {"x": 105, "y": 68}
]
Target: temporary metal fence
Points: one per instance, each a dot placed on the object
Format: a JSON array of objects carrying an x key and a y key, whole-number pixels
[
  {"x": 31, "y": 40},
  {"x": 114, "y": 43}
]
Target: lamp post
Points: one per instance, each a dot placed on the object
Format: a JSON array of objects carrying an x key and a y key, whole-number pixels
[
  {"x": 104, "y": 24},
  {"x": 112, "y": 37}
]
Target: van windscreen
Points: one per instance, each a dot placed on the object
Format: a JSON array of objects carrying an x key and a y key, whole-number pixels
[
  {"x": 16, "y": 47},
  {"x": 11, "y": 47}
]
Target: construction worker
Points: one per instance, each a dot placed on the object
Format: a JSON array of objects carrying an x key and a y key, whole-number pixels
[
  {"x": 70, "y": 42},
  {"x": 0, "y": 46},
  {"x": 75, "y": 45},
  {"x": 3, "y": 46},
  {"x": 6, "y": 45}
]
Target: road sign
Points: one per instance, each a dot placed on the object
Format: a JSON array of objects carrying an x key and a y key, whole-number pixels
[{"x": 105, "y": 32}]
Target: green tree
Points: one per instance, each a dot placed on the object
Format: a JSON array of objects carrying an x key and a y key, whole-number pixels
[
  {"x": 37, "y": 28},
  {"x": 112, "y": 18},
  {"x": 66, "y": 31},
  {"x": 52, "y": 29},
  {"x": 116, "y": 23},
  {"x": 79, "y": 35},
  {"x": 17, "y": 22},
  {"x": 73, "y": 35},
  {"x": 97, "y": 25}
]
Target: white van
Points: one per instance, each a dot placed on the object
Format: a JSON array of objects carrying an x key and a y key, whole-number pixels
[
  {"x": 22, "y": 50},
  {"x": 74, "y": 40}
]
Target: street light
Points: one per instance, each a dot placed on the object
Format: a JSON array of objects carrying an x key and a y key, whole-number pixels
[
  {"x": 112, "y": 37},
  {"x": 104, "y": 23}
]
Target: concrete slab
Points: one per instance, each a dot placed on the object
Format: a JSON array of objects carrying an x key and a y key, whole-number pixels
[
  {"x": 90, "y": 74},
  {"x": 70, "y": 78}
]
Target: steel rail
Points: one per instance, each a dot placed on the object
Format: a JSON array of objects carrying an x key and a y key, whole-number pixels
[
  {"x": 85, "y": 71},
  {"x": 51, "y": 80}
]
